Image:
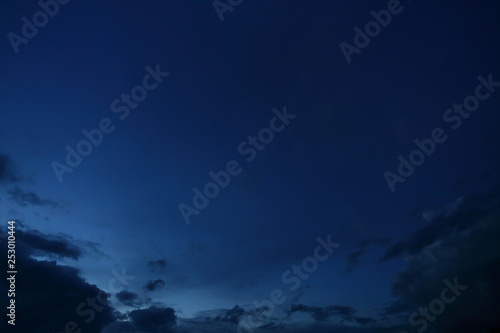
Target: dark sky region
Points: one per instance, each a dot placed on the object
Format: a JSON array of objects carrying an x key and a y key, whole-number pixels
[{"x": 251, "y": 166}]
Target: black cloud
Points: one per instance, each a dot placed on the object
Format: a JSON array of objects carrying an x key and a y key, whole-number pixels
[
  {"x": 37, "y": 243},
  {"x": 157, "y": 265},
  {"x": 155, "y": 285},
  {"x": 232, "y": 316},
  {"x": 470, "y": 255},
  {"x": 8, "y": 174},
  {"x": 322, "y": 314},
  {"x": 471, "y": 209},
  {"x": 354, "y": 259},
  {"x": 127, "y": 297},
  {"x": 48, "y": 295},
  {"x": 154, "y": 319}
]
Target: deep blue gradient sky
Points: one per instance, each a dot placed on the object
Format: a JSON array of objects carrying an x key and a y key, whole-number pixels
[{"x": 324, "y": 175}]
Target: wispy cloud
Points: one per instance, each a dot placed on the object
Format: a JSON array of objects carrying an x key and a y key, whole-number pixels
[{"x": 25, "y": 198}]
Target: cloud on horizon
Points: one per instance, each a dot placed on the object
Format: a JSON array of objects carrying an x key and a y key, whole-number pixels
[{"x": 49, "y": 295}]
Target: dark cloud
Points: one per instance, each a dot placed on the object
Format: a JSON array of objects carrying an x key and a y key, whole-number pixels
[
  {"x": 49, "y": 295},
  {"x": 322, "y": 314},
  {"x": 128, "y": 298},
  {"x": 365, "y": 321},
  {"x": 24, "y": 199},
  {"x": 232, "y": 316},
  {"x": 228, "y": 319},
  {"x": 472, "y": 256},
  {"x": 154, "y": 319},
  {"x": 35, "y": 243},
  {"x": 396, "y": 308},
  {"x": 157, "y": 265},
  {"x": 354, "y": 259},
  {"x": 237, "y": 319},
  {"x": 155, "y": 285},
  {"x": 225, "y": 320},
  {"x": 471, "y": 209},
  {"x": 119, "y": 327},
  {"x": 275, "y": 325},
  {"x": 8, "y": 174}
]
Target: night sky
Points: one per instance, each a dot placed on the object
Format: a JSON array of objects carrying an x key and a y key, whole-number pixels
[{"x": 251, "y": 166}]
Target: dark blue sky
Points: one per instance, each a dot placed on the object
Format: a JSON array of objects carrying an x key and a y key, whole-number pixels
[{"x": 115, "y": 116}]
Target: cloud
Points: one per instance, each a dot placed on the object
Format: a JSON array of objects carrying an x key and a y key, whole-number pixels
[
  {"x": 276, "y": 325},
  {"x": 322, "y": 314},
  {"x": 157, "y": 265},
  {"x": 154, "y": 319},
  {"x": 237, "y": 318},
  {"x": 365, "y": 321},
  {"x": 448, "y": 210},
  {"x": 34, "y": 242},
  {"x": 119, "y": 327},
  {"x": 8, "y": 174},
  {"x": 54, "y": 246},
  {"x": 227, "y": 319},
  {"x": 155, "y": 285},
  {"x": 24, "y": 199},
  {"x": 465, "y": 246},
  {"x": 223, "y": 320},
  {"x": 128, "y": 298},
  {"x": 354, "y": 259},
  {"x": 47, "y": 294},
  {"x": 398, "y": 307},
  {"x": 471, "y": 209},
  {"x": 232, "y": 316}
]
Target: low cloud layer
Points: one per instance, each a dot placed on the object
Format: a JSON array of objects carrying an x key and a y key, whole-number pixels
[{"x": 48, "y": 295}]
